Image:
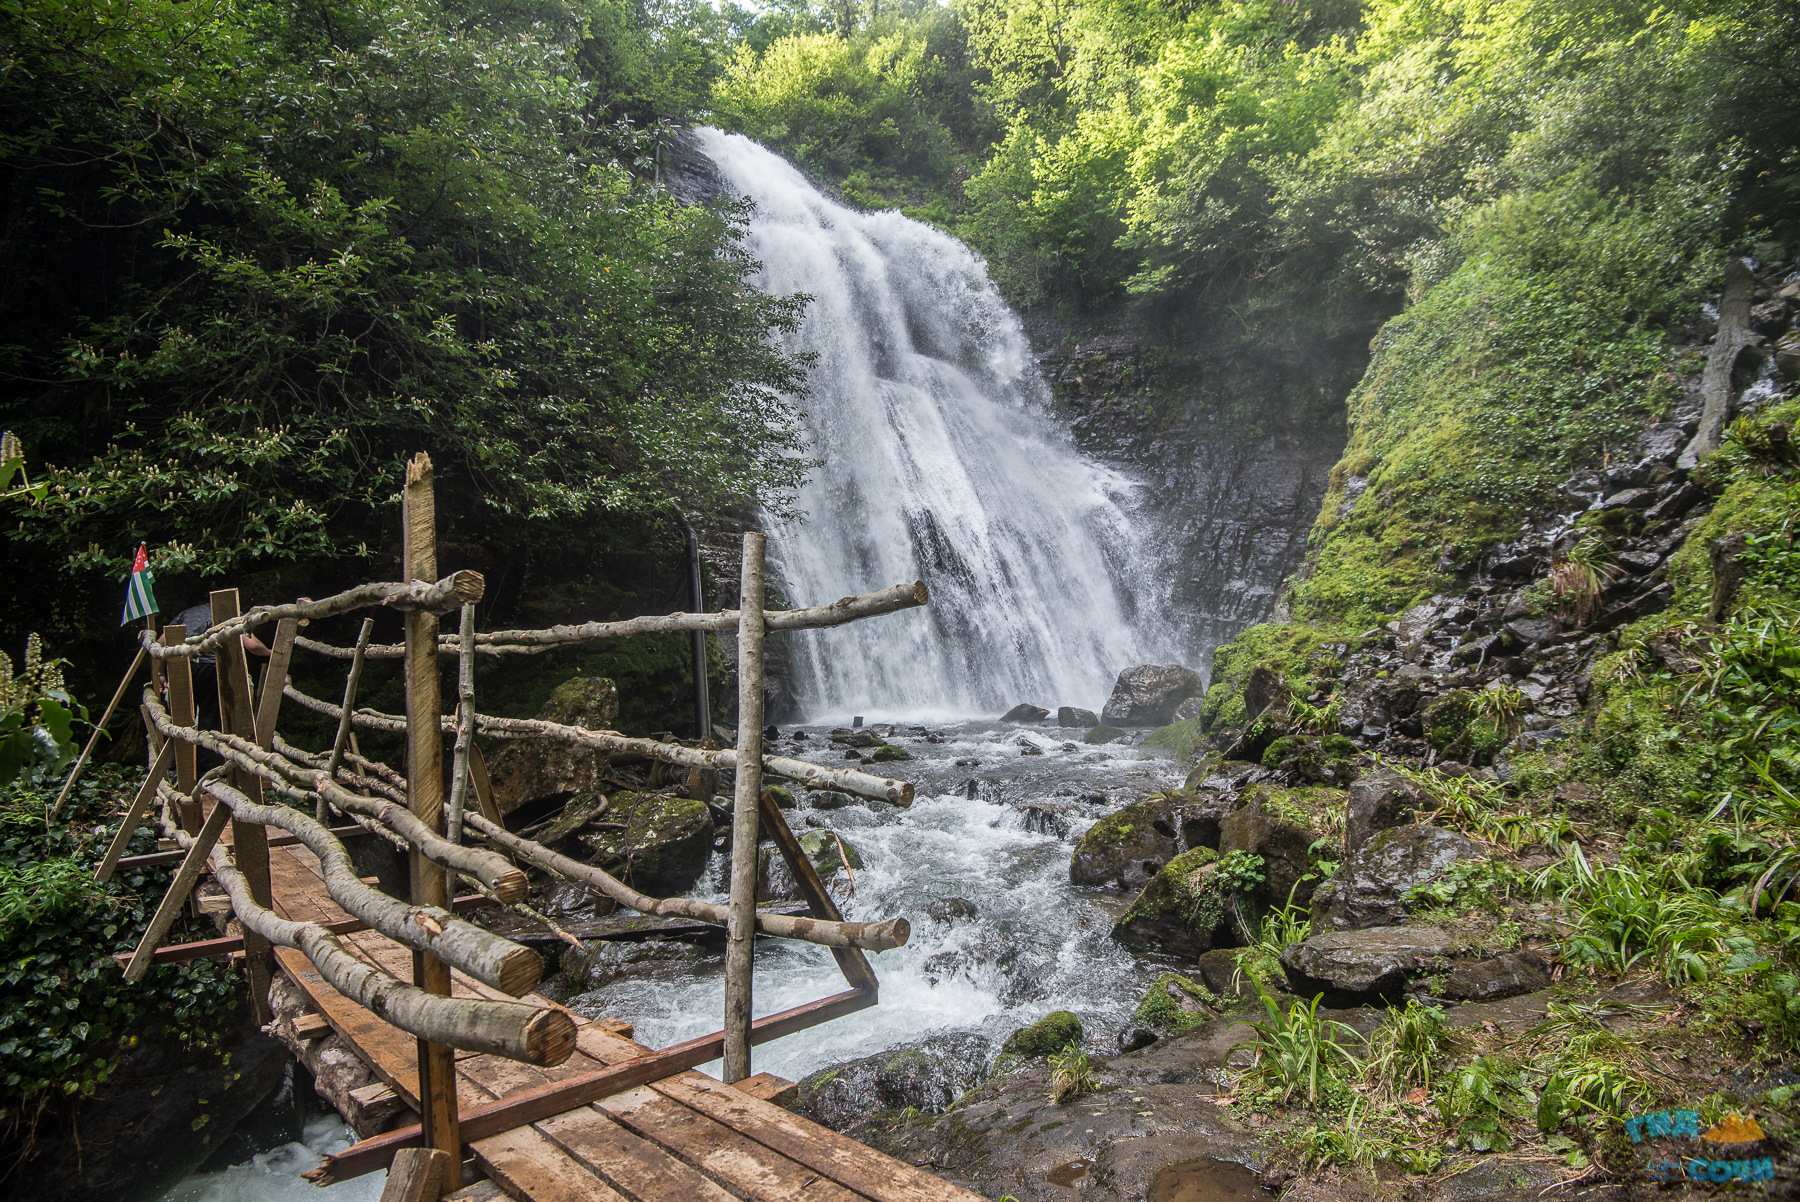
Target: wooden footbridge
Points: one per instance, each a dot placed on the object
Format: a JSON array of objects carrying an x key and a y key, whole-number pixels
[{"x": 510, "y": 1092}]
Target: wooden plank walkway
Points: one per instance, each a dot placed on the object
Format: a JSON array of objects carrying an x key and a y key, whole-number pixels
[{"x": 687, "y": 1138}]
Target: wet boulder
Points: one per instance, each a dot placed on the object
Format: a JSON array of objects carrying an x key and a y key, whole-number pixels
[
  {"x": 1263, "y": 688},
  {"x": 1025, "y": 713},
  {"x": 1175, "y": 1004},
  {"x": 1181, "y": 912},
  {"x": 888, "y": 754},
  {"x": 1126, "y": 848},
  {"x": 1379, "y": 801},
  {"x": 1200, "y": 816},
  {"x": 927, "y": 1075},
  {"x": 1279, "y": 825},
  {"x": 657, "y": 843},
  {"x": 1367, "y": 965},
  {"x": 1103, "y": 734},
  {"x": 830, "y": 854},
  {"x": 1149, "y": 694},
  {"x": 1502, "y": 977},
  {"x": 1075, "y": 718},
  {"x": 1047, "y": 1036},
  {"x": 528, "y": 770},
  {"x": 1370, "y": 886}
]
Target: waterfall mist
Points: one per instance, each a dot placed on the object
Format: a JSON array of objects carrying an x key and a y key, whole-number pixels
[{"x": 941, "y": 463}]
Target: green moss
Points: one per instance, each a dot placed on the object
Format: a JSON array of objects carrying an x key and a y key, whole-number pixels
[
  {"x": 784, "y": 799},
  {"x": 1183, "y": 738},
  {"x": 1182, "y": 886},
  {"x": 1050, "y": 1034},
  {"x": 1456, "y": 726},
  {"x": 888, "y": 753},
  {"x": 1162, "y": 1008},
  {"x": 1103, "y": 734},
  {"x": 1279, "y": 750},
  {"x": 1315, "y": 808},
  {"x": 1302, "y": 655}
]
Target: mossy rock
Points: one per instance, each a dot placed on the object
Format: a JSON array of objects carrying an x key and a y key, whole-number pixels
[
  {"x": 1050, "y": 1034},
  {"x": 528, "y": 770},
  {"x": 1103, "y": 734},
  {"x": 1126, "y": 847},
  {"x": 663, "y": 847},
  {"x": 830, "y": 852},
  {"x": 774, "y": 883},
  {"x": 590, "y": 702},
  {"x": 889, "y": 752},
  {"x": 1181, "y": 912},
  {"x": 1457, "y": 728},
  {"x": 1175, "y": 1004},
  {"x": 1281, "y": 825},
  {"x": 783, "y": 798}
]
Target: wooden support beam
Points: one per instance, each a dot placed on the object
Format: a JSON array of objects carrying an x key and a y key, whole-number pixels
[
  {"x": 151, "y": 859},
  {"x": 516, "y": 1110},
  {"x": 417, "y": 1175},
  {"x": 483, "y": 784},
  {"x": 180, "y": 675},
  {"x": 249, "y": 842},
  {"x": 274, "y": 681},
  {"x": 425, "y": 793},
  {"x": 851, "y": 961},
  {"x": 740, "y": 927},
  {"x": 87, "y": 750},
  {"x": 176, "y": 897},
  {"x": 140, "y": 805}
]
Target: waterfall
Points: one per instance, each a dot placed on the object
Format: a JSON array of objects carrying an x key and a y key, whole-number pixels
[{"x": 940, "y": 462}]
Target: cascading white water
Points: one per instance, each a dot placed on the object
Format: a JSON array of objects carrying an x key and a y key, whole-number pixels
[{"x": 940, "y": 463}]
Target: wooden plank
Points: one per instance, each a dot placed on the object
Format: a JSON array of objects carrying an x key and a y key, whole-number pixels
[
  {"x": 627, "y": 1161},
  {"x": 180, "y": 672},
  {"x": 850, "y": 1164},
  {"x": 176, "y": 897},
  {"x": 249, "y": 841},
  {"x": 778, "y": 1091},
  {"x": 484, "y": 784},
  {"x": 308, "y": 1027},
  {"x": 481, "y": 1191},
  {"x": 385, "y": 1048},
  {"x": 417, "y": 1175},
  {"x": 528, "y": 1166},
  {"x": 850, "y": 960},
  {"x": 268, "y": 703},
  {"x": 135, "y": 814},
  {"x": 744, "y": 1165}
]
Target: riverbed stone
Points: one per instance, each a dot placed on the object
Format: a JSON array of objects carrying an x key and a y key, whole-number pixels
[
  {"x": 1181, "y": 912},
  {"x": 774, "y": 881},
  {"x": 1380, "y": 800},
  {"x": 1148, "y": 694},
  {"x": 1367, "y": 965},
  {"x": 663, "y": 846},
  {"x": 1103, "y": 734},
  {"x": 1280, "y": 825},
  {"x": 1050, "y": 1034},
  {"x": 528, "y": 770},
  {"x": 1025, "y": 712},
  {"x": 1370, "y": 886},
  {"x": 927, "y": 1075},
  {"x": 1175, "y": 1003},
  {"x": 1127, "y": 847},
  {"x": 1074, "y": 717},
  {"x": 1505, "y": 976}
]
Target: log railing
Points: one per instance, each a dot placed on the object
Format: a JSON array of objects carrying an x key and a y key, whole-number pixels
[{"x": 267, "y": 782}]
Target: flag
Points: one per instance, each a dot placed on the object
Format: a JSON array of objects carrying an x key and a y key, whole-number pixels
[{"x": 140, "y": 593}]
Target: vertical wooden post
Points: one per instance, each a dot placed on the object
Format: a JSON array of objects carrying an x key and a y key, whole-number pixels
[
  {"x": 343, "y": 731},
  {"x": 740, "y": 927},
  {"x": 249, "y": 841},
  {"x": 425, "y": 795},
  {"x": 465, "y": 721},
  {"x": 268, "y": 702},
  {"x": 180, "y": 673}
]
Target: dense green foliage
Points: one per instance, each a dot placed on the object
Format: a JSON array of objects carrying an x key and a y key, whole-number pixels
[
  {"x": 66, "y": 1013},
  {"x": 258, "y": 255}
]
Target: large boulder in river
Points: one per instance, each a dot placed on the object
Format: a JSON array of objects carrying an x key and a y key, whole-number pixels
[
  {"x": 1128, "y": 847},
  {"x": 528, "y": 770},
  {"x": 1279, "y": 825},
  {"x": 1351, "y": 967},
  {"x": 1181, "y": 911},
  {"x": 1047, "y": 1036},
  {"x": 1370, "y": 887},
  {"x": 829, "y": 852},
  {"x": 928, "y": 1075},
  {"x": 1379, "y": 801},
  {"x": 1075, "y": 717},
  {"x": 1025, "y": 712},
  {"x": 1148, "y": 694},
  {"x": 657, "y": 843}
]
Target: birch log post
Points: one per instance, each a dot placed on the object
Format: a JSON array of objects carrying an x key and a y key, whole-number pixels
[
  {"x": 465, "y": 722},
  {"x": 343, "y": 730},
  {"x": 740, "y": 928},
  {"x": 1721, "y": 361},
  {"x": 180, "y": 675},
  {"x": 425, "y": 789}
]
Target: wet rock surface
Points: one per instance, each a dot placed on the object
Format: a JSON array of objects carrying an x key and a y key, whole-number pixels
[
  {"x": 1367, "y": 965},
  {"x": 1149, "y": 694},
  {"x": 1370, "y": 887},
  {"x": 1181, "y": 912},
  {"x": 926, "y": 1076},
  {"x": 527, "y": 771}
]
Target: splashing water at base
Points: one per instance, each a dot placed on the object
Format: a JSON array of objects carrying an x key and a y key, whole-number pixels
[
  {"x": 1032, "y": 945},
  {"x": 940, "y": 463},
  {"x": 275, "y": 1176}
]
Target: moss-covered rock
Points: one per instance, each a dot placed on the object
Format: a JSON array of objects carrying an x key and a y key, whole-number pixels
[
  {"x": 1127, "y": 847},
  {"x": 775, "y": 883},
  {"x": 663, "y": 846},
  {"x": 1103, "y": 734},
  {"x": 1182, "y": 911},
  {"x": 888, "y": 753},
  {"x": 1281, "y": 825},
  {"x": 1050, "y": 1034},
  {"x": 783, "y": 798},
  {"x": 1174, "y": 1004},
  {"x": 528, "y": 770}
]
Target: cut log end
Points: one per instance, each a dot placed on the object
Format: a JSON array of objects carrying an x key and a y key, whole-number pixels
[
  {"x": 549, "y": 1038},
  {"x": 920, "y": 593},
  {"x": 520, "y": 972},
  {"x": 510, "y": 887},
  {"x": 467, "y": 587},
  {"x": 902, "y": 930}
]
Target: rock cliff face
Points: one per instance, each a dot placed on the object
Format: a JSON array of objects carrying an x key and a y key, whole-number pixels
[{"x": 1235, "y": 448}]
